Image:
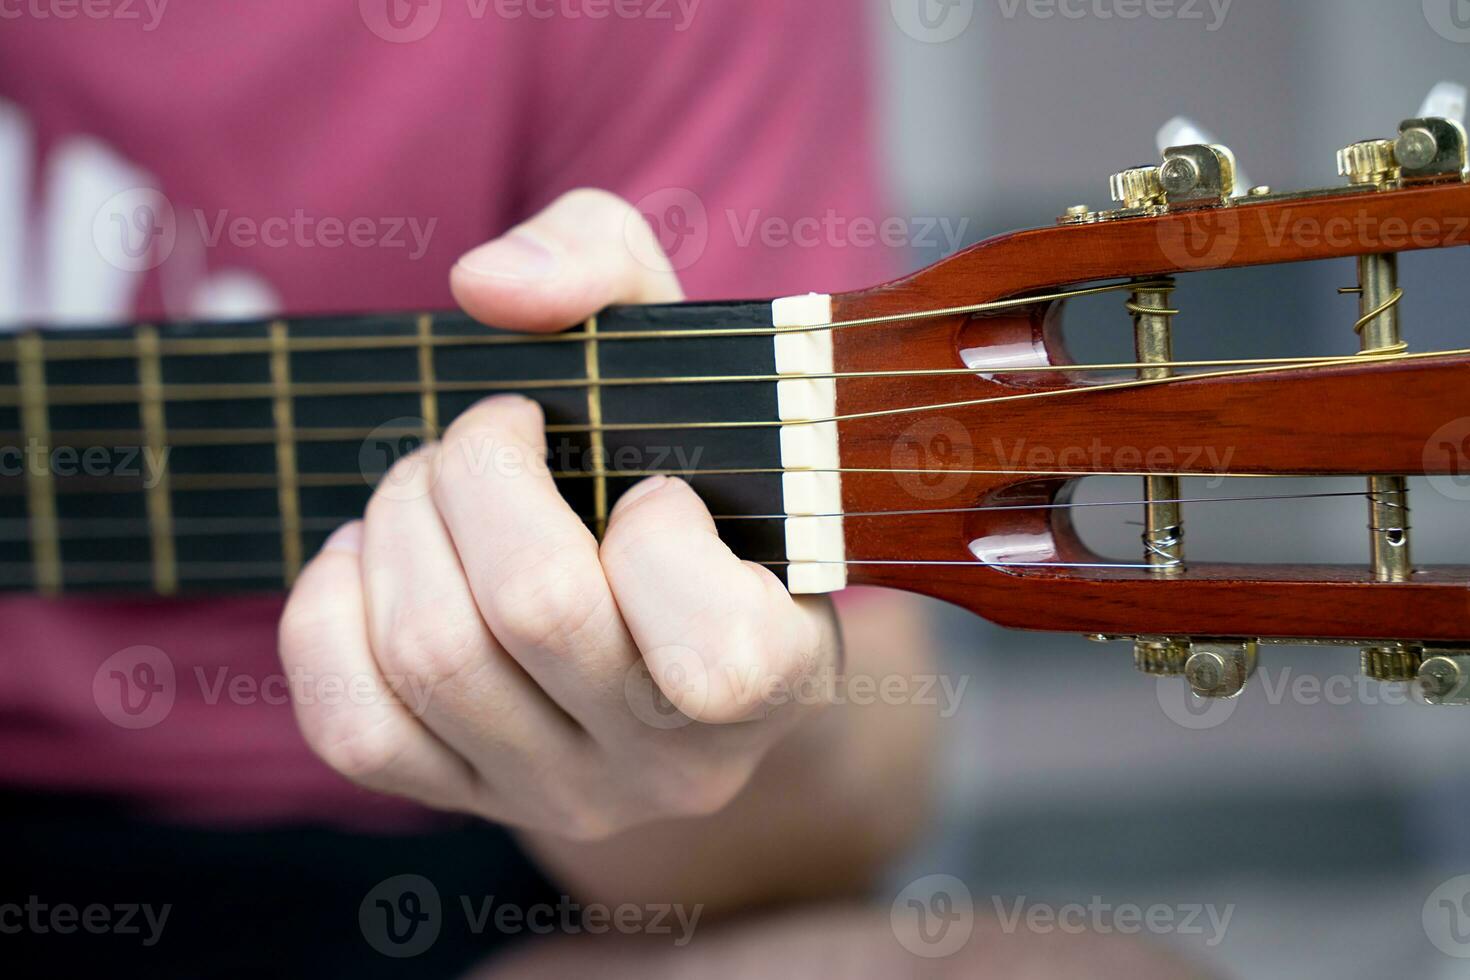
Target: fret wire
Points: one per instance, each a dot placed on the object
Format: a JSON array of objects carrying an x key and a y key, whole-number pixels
[
  {"x": 428, "y": 383},
  {"x": 40, "y": 483},
  {"x": 594, "y": 422},
  {"x": 288, "y": 492},
  {"x": 157, "y": 496}
]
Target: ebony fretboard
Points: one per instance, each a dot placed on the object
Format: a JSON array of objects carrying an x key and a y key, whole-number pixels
[{"x": 188, "y": 457}]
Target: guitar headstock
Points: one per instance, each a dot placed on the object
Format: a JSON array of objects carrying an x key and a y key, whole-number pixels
[{"x": 931, "y": 502}]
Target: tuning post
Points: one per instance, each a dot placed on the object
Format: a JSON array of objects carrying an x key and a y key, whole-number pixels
[
  {"x": 1163, "y": 535},
  {"x": 1376, "y": 163}
]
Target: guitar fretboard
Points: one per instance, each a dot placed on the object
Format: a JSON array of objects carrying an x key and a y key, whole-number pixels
[{"x": 182, "y": 457}]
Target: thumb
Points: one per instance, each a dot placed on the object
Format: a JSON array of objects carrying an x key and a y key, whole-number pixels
[{"x": 588, "y": 250}]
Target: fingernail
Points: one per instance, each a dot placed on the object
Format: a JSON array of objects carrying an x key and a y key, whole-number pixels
[
  {"x": 516, "y": 255},
  {"x": 346, "y": 538}
]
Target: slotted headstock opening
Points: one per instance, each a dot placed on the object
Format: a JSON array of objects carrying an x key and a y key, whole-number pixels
[{"x": 963, "y": 436}]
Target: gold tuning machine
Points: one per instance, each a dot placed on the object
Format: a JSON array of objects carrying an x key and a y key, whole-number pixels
[
  {"x": 1370, "y": 163},
  {"x": 1138, "y": 187}
]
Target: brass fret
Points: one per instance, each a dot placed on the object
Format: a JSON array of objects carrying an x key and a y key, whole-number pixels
[
  {"x": 428, "y": 396},
  {"x": 40, "y": 483},
  {"x": 594, "y": 422},
  {"x": 160, "y": 507},
  {"x": 288, "y": 488}
]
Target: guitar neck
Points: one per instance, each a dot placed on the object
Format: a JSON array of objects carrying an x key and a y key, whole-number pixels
[{"x": 185, "y": 457}]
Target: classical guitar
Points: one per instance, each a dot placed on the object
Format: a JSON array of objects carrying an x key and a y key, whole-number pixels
[{"x": 840, "y": 440}]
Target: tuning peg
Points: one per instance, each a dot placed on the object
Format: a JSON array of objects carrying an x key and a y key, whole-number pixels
[
  {"x": 1138, "y": 187},
  {"x": 1368, "y": 162}
]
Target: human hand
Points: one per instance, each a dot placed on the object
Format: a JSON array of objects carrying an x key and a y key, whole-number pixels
[{"x": 481, "y": 586}]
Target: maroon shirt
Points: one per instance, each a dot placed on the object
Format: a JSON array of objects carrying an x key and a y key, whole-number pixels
[{"x": 339, "y": 157}]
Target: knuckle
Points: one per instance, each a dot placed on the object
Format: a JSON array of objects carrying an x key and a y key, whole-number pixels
[
  {"x": 356, "y": 744},
  {"x": 438, "y": 645},
  {"x": 545, "y": 604}
]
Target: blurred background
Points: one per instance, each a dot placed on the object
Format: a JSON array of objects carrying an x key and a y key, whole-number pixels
[{"x": 1325, "y": 815}]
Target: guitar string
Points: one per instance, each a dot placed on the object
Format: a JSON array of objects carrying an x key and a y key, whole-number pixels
[
  {"x": 60, "y": 348},
  {"x": 68, "y": 395},
  {"x": 208, "y": 437},
  {"x": 83, "y": 528}
]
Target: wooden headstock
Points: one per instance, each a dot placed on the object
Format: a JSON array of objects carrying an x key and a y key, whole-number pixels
[{"x": 938, "y": 501}]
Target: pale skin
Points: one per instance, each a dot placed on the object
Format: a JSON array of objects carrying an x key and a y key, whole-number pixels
[
  {"x": 471, "y": 579},
  {"x": 470, "y": 575}
]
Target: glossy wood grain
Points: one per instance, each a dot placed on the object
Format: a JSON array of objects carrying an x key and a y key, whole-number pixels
[{"x": 1357, "y": 418}]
